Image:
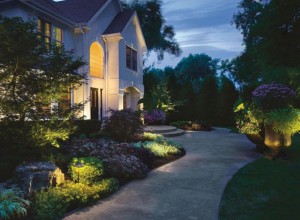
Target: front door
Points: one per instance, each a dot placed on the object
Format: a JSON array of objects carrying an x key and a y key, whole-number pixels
[{"x": 94, "y": 104}]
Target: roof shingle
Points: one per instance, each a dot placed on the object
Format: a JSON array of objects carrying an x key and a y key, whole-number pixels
[
  {"x": 119, "y": 22},
  {"x": 74, "y": 10}
]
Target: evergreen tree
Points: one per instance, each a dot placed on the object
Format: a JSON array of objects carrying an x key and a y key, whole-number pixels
[{"x": 33, "y": 77}]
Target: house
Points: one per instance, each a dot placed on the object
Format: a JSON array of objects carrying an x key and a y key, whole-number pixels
[{"x": 108, "y": 37}]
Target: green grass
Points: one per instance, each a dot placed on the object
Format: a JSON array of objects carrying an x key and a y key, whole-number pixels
[{"x": 265, "y": 189}]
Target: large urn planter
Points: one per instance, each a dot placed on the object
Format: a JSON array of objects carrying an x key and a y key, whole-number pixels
[
  {"x": 275, "y": 140},
  {"x": 258, "y": 140}
]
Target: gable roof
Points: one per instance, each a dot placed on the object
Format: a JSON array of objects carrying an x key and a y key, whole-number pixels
[
  {"x": 76, "y": 11},
  {"x": 79, "y": 10},
  {"x": 119, "y": 22}
]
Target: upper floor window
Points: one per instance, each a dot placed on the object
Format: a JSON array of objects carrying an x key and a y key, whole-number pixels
[
  {"x": 96, "y": 60},
  {"x": 131, "y": 58},
  {"x": 49, "y": 32}
]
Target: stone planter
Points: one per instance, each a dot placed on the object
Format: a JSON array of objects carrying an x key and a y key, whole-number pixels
[
  {"x": 258, "y": 140},
  {"x": 275, "y": 140}
]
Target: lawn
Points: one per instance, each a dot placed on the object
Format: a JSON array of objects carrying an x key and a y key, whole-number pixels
[{"x": 265, "y": 189}]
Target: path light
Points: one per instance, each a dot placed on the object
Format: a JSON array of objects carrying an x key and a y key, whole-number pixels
[{"x": 78, "y": 164}]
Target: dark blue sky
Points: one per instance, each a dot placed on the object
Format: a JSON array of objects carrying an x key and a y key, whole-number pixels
[{"x": 201, "y": 26}]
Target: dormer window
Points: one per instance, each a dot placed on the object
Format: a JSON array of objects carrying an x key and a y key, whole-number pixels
[
  {"x": 49, "y": 33},
  {"x": 131, "y": 58}
]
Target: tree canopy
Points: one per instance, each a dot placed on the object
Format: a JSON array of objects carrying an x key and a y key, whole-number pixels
[
  {"x": 159, "y": 36},
  {"x": 34, "y": 78},
  {"x": 271, "y": 34}
]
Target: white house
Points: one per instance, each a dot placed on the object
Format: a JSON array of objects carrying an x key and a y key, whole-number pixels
[{"x": 108, "y": 37}]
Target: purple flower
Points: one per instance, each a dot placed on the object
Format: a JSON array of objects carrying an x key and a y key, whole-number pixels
[
  {"x": 156, "y": 116},
  {"x": 273, "y": 95}
]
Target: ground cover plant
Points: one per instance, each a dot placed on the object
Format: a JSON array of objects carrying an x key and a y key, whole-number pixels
[
  {"x": 265, "y": 189},
  {"x": 12, "y": 204},
  {"x": 57, "y": 201}
]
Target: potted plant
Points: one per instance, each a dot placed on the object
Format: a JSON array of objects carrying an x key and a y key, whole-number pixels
[{"x": 270, "y": 117}]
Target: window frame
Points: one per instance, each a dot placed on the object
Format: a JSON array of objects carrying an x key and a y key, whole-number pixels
[
  {"x": 131, "y": 58},
  {"x": 52, "y": 36}
]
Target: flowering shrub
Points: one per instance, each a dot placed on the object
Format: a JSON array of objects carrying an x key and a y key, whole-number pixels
[
  {"x": 156, "y": 116},
  {"x": 272, "y": 96}
]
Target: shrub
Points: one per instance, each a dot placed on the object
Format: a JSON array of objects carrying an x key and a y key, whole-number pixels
[
  {"x": 87, "y": 127},
  {"x": 162, "y": 150},
  {"x": 122, "y": 125},
  {"x": 156, "y": 116},
  {"x": 154, "y": 137},
  {"x": 180, "y": 124},
  {"x": 12, "y": 205},
  {"x": 86, "y": 170},
  {"x": 55, "y": 202}
]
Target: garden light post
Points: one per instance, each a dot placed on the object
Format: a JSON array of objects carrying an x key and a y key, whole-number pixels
[{"x": 78, "y": 164}]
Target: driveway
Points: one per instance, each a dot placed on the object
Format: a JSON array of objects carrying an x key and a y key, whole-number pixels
[{"x": 189, "y": 188}]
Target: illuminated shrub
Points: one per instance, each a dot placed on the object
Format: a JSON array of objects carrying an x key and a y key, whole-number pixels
[
  {"x": 57, "y": 201},
  {"x": 163, "y": 150},
  {"x": 86, "y": 170}
]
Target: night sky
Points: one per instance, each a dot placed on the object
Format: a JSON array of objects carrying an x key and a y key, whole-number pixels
[{"x": 202, "y": 26}]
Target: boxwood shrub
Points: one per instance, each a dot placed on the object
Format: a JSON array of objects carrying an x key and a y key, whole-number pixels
[{"x": 86, "y": 170}]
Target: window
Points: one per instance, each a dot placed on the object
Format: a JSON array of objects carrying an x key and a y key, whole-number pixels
[
  {"x": 96, "y": 60},
  {"x": 131, "y": 58},
  {"x": 65, "y": 101},
  {"x": 49, "y": 33}
]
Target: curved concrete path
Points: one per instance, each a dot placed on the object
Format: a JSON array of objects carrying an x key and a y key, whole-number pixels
[{"x": 189, "y": 188}]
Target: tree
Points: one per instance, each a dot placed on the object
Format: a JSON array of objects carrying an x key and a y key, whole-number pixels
[
  {"x": 33, "y": 77},
  {"x": 156, "y": 91},
  {"x": 158, "y": 35},
  {"x": 228, "y": 95},
  {"x": 272, "y": 37},
  {"x": 196, "y": 66}
]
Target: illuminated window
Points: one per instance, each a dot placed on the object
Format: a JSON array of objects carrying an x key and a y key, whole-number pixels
[
  {"x": 96, "y": 60},
  {"x": 131, "y": 58},
  {"x": 49, "y": 33}
]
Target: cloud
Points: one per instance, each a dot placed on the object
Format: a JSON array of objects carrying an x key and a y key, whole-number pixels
[{"x": 202, "y": 26}]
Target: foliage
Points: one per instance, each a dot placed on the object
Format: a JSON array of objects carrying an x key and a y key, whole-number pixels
[
  {"x": 157, "y": 94},
  {"x": 156, "y": 116},
  {"x": 272, "y": 96},
  {"x": 161, "y": 149},
  {"x": 55, "y": 202},
  {"x": 12, "y": 205},
  {"x": 226, "y": 99},
  {"x": 154, "y": 137},
  {"x": 195, "y": 67},
  {"x": 285, "y": 120},
  {"x": 265, "y": 189},
  {"x": 87, "y": 127},
  {"x": 86, "y": 170},
  {"x": 271, "y": 35},
  {"x": 207, "y": 99},
  {"x": 34, "y": 76},
  {"x": 246, "y": 118},
  {"x": 158, "y": 35},
  {"x": 180, "y": 124},
  {"x": 192, "y": 125},
  {"x": 123, "y": 124}
]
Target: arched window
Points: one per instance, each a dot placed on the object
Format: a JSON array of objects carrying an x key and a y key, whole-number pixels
[{"x": 96, "y": 60}]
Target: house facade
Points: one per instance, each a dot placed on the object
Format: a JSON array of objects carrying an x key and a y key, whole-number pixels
[{"x": 108, "y": 38}]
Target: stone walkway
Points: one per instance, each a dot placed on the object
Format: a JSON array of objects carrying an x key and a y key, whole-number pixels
[{"x": 189, "y": 188}]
